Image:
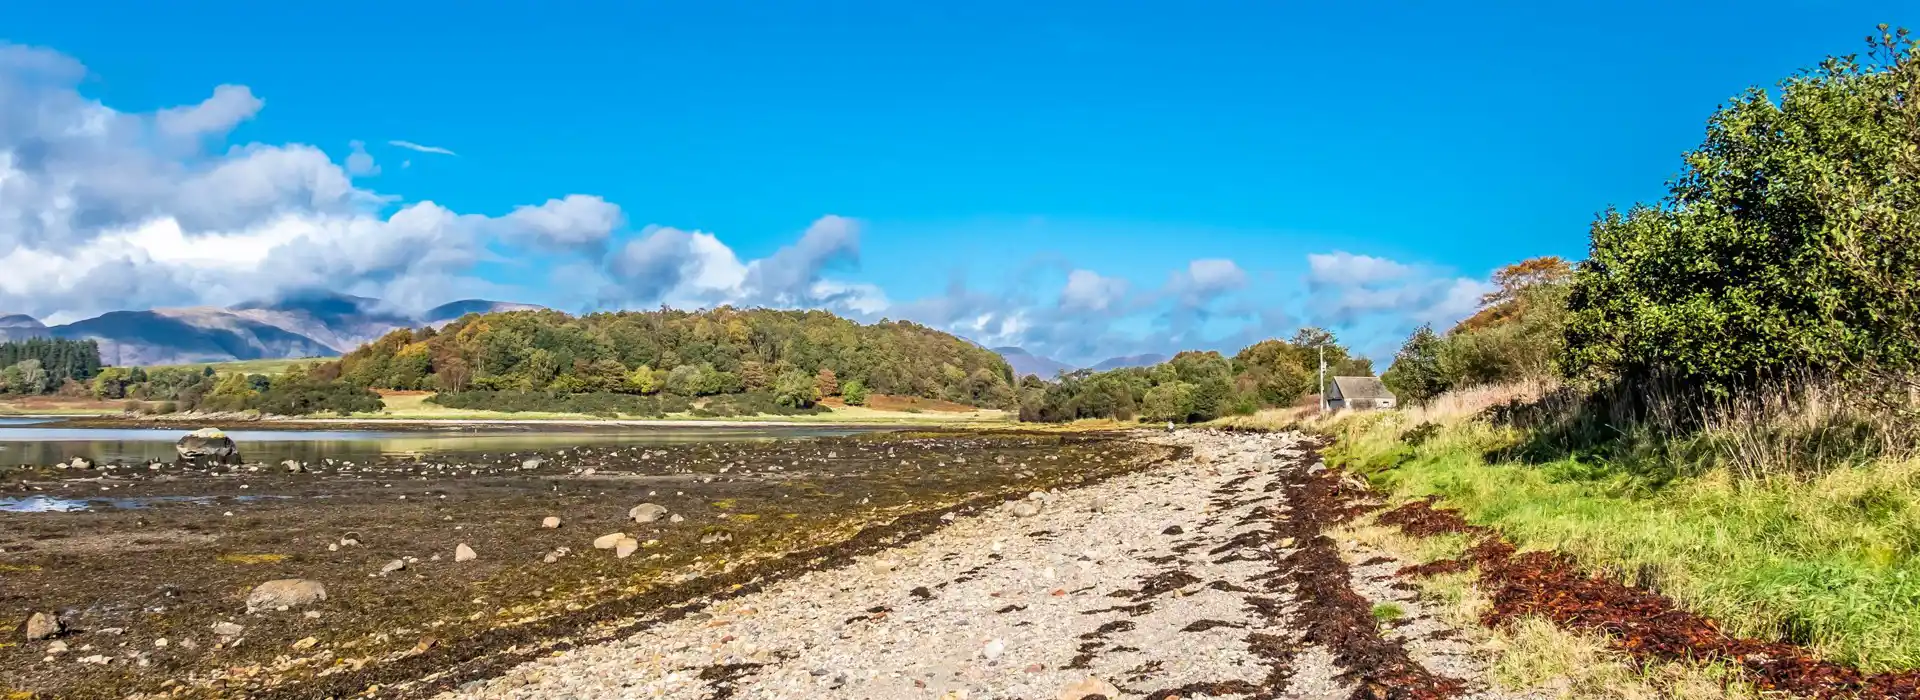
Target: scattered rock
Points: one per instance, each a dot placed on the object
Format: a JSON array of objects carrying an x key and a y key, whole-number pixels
[
  {"x": 993, "y": 649},
  {"x": 646, "y": 512},
  {"x": 609, "y": 540},
  {"x": 228, "y": 629},
  {"x": 464, "y": 553},
  {"x": 306, "y": 643},
  {"x": 1025, "y": 509},
  {"x": 676, "y": 519},
  {"x": 293, "y": 467},
  {"x": 625, "y": 547},
  {"x": 1089, "y": 687},
  {"x": 285, "y": 593},
  {"x": 81, "y": 463},
  {"x": 43, "y": 626},
  {"x": 393, "y": 566},
  {"x": 552, "y": 522},
  {"x": 57, "y": 647}
]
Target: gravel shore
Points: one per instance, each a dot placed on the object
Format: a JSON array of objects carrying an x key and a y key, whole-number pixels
[{"x": 1176, "y": 582}]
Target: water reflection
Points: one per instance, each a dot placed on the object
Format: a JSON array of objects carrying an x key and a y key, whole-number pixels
[
  {"x": 55, "y": 504},
  {"x": 23, "y": 442}
]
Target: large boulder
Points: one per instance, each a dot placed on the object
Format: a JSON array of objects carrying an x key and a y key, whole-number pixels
[
  {"x": 206, "y": 446},
  {"x": 285, "y": 593}
]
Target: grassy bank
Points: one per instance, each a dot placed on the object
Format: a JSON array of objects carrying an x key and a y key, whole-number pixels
[
  {"x": 1826, "y": 560},
  {"x": 415, "y": 406}
]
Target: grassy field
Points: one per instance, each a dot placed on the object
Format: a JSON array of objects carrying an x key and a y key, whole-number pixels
[
  {"x": 57, "y": 406},
  {"x": 1827, "y": 560},
  {"x": 413, "y": 405},
  {"x": 267, "y": 367}
]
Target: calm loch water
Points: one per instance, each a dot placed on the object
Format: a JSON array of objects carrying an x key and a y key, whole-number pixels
[{"x": 39, "y": 441}]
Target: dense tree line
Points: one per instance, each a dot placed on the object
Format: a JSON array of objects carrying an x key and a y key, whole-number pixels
[
  {"x": 43, "y": 365},
  {"x": 1788, "y": 247},
  {"x": 1517, "y": 334},
  {"x": 300, "y": 390},
  {"x": 1195, "y": 386},
  {"x": 796, "y": 357}
]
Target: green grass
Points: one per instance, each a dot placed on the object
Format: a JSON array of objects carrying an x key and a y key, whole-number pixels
[
  {"x": 1388, "y": 612},
  {"x": 416, "y": 407},
  {"x": 266, "y": 367},
  {"x": 1827, "y": 560}
]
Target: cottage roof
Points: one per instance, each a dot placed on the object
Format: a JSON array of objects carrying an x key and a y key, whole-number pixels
[{"x": 1361, "y": 388}]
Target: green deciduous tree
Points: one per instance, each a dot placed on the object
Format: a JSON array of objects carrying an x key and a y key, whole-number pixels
[{"x": 1790, "y": 240}]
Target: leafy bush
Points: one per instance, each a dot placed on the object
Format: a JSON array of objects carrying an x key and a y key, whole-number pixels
[
  {"x": 1790, "y": 240},
  {"x": 603, "y": 403},
  {"x": 854, "y": 392}
]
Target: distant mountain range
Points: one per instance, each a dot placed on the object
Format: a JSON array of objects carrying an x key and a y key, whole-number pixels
[
  {"x": 313, "y": 325},
  {"x": 1025, "y": 363}
]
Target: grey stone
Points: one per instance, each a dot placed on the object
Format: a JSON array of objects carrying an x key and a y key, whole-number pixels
[
  {"x": 285, "y": 593},
  {"x": 646, "y": 512}
]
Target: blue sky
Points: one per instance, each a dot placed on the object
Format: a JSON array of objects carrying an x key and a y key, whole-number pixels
[{"x": 991, "y": 146}]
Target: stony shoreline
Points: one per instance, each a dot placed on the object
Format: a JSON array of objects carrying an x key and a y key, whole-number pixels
[{"x": 1187, "y": 580}]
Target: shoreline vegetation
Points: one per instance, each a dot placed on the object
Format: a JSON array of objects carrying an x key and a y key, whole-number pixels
[{"x": 1717, "y": 407}]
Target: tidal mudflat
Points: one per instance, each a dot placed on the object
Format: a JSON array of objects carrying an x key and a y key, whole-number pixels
[{"x": 438, "y": 560}]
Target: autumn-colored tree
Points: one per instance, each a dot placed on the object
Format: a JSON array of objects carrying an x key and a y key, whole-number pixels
[{"x": 1509, "y": 298}]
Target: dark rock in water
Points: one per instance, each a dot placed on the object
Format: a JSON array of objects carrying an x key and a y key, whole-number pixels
[{"x": 207, "y": 446}]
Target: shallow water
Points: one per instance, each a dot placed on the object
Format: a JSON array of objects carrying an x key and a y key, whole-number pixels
[
  {"x": 55, "y": 504},
  {"x": 30, "y": 441}
]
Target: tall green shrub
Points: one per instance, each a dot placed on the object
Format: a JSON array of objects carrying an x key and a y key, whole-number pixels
[{"x": 1791, "y": 240}]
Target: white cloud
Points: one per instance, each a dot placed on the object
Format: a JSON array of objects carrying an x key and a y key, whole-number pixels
[
  {"x": 1347, "y": 289},
  {"x": 1087, "y": 290},
  {"x": 96, "y": 214},
  {"x": 359, "y": 162},
  {"x": 694, "y": 268},
  {"x": 577, "y": 221},
  {"x": 217, "y": 115},
  {"x": 411, "y": 146},
  {"x": 1343, "y": 268},
  {"x": 1205, "y": 280}
]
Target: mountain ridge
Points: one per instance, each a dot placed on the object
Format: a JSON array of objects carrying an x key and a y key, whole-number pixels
[{"x": 321, "y": 324}]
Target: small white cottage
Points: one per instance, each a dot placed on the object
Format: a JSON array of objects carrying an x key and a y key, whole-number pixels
[{"x": 1359, "y": 393}]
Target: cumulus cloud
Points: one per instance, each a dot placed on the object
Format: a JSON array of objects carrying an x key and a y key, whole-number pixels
[
  {"x": 1344, "y": 268},
  {"x": 411, "y": 146},
  {"x": 694, "y": 268},
  {"x": 102, "y": 209},
  {"x": 1206, "y": 280},
  {"x": 1087, "y": 290},
  {"x": 577, "y": 221}
]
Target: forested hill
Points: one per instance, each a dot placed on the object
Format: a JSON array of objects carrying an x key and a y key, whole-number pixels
[{"x": 685, "y": 353}]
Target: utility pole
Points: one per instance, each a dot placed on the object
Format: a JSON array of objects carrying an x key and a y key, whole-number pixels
[{"x": 1323, "y": 378}]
